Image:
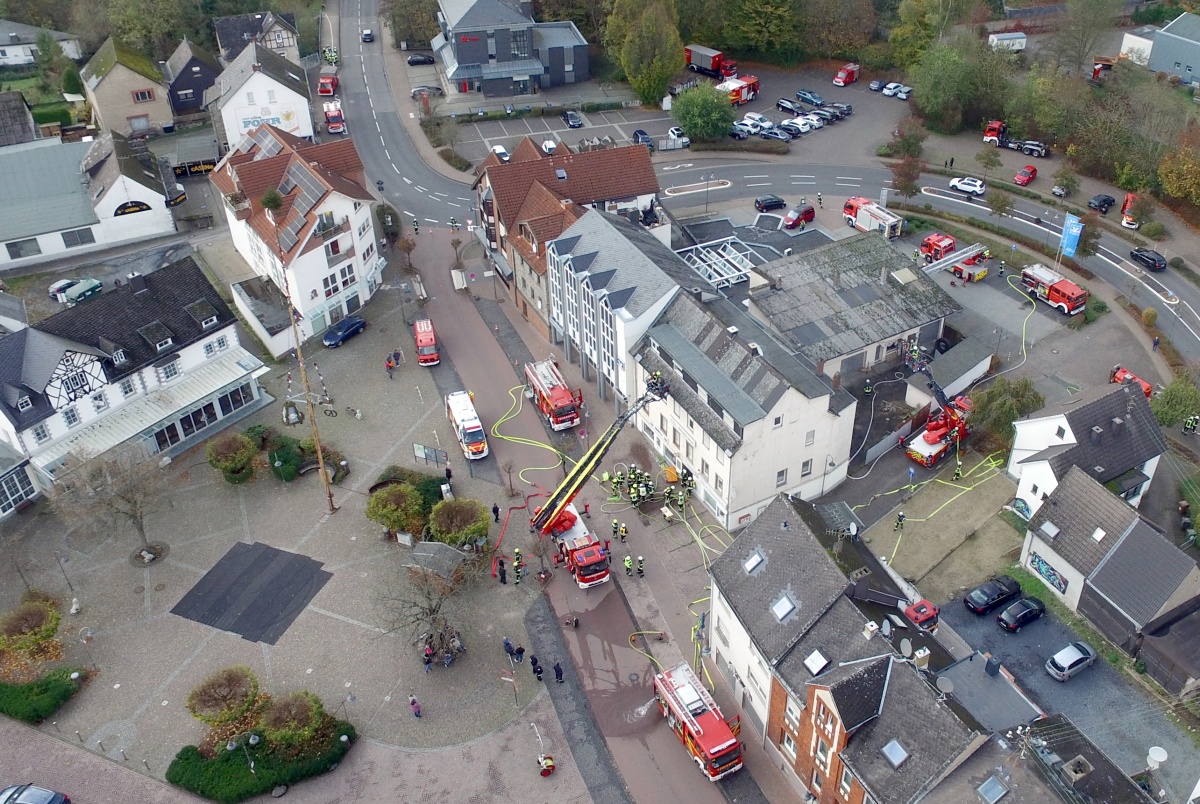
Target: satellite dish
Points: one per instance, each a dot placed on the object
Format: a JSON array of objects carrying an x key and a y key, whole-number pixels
[
  {"x": 945, "y": 685},
  {"x": 885, "y": 628},
  {"x": 1156, "y": 757},
  {"x": 853, "y": 529},
  {"x": 906, "y": 648}
]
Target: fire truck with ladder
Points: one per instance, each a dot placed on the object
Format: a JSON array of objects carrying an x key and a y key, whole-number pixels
[
  {"x": 586, "y": 558},
  {"x": 945, "y": 429},
  {"x": 544, "y": 384},
  {"x": 698, "y": 723},
  {"x": 1054, "y": 289}
]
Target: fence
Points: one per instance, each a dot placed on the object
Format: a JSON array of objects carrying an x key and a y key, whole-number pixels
[{"x": 890, "y": 440}]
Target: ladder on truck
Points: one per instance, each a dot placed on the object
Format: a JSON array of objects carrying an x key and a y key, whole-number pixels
[
  {"x": 955, "y": 258},
  {"x": 547, "y": 377},
  {"x": 688, "y": 694}
]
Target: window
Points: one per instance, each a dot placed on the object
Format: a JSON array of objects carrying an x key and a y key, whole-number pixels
[
  {"x": 791, "y": 714},
  {"x": 185, "y": 94},
  {"x": 662, "y": 423},
  {"x": 23, "y": 248},
  {"x": 41, "y": 434},
  {"x": 816, "y": 781},
  {"x": 143, "y": 96},
  {"x": 806, "y": 468},
  {"x": 333, "y": 248},
  {"x": 1061, "y": 432},
  {"x": 169, "y": 371},
  {"x": 721, "y": 635},
  {"x": 781, "y": 478},
  {"x": 1033, "y": 490},
  {"x": 689, "y": 451},
  {"x": 704, "y": 440},
  {"x": 704, "y": 469},
  {"x": 70, "y": 416},
  {"x": 845, "y": 782},
  {"x": 691, "y": 424},
  {"x": 127, "y": 387},
  {"x": 218, "y": 344},
  {"x": 331, "y": 285},
  {"x": 822, "y": 754},
  {"x": 250, "y": 98},
  {"x": 120, "y": 357},
  {"x": 810, "y": 437},
  {"x": 675, "y": 437},
  {"x": 209, "y": 322},
  {"x": 14, "y": 489},
  {"x": 720, "y": 456},
  {"x": 788, "y": 745},
  {"x": 198, "y": 419},
  {"x": 99, "y": 401},
  {"x": 235, "y": 399},
  {"x": 270, "y": 96},
  {"x": 777, "y": 423},
  {"x": 370, "y": 249},
  {"x": 167, "y": 437},
  {"x": 24, "y": 403},
  {"x": 165, "y": 343},
  {"x": 718, "y": 484},
  {"x": 75, "y": 384},
  {"x": 347, "y": 272},
  {"x": 78, "y": 237}
]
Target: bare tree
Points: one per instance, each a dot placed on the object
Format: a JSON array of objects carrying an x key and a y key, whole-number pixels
[
  {"x": 117, "y": 489},
  {"x": 416, "y": 601},
  {"x": 1083, "y": 26}
]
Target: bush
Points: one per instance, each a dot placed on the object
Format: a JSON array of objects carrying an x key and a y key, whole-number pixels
[
  {"x": 259, "y": 433},
  {"x": 1149, "y": 317},
  {"x": 456, "y": 522},
  {"x": 294, "y": 720},
  {"x": 753, "y": 145},
  {"x": 231, "y": 452},
  {"x": 224, "y": 696},
  {"x": 31, "y": 624},
  {"x": 1179, "y": 399},
  {"x": 454, "y": 159},
  {"x": 38, "y": 700},
  {"x": 235, "y": 478},
  {"x": 1154, "y": 230},
  {"x": 226, "y": 777},
  {"x": 606, "y": 106},
  {"x": 398, "y": 508},
  {"x": 1176, "y": 263}
]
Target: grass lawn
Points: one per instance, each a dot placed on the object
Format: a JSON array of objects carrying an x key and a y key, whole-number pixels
[{"x": 30, "y": 89}]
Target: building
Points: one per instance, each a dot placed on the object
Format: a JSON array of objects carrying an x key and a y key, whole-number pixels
[
  {"x": 1105, "y": 561},
  {"x": 954, "y": 370},
  {"x": 155, "y": 362},
  {"x": 837, "y": 709},
  {"x": 851, "y": 305},
  {"x": 259, "y": 88},
  {"x": 1137, "y": 44},
  {"x": 523, "y": 206},
  {"x": 79, "y": 196},
  {"x": 748, "y": 418},
  {"x": 18, "y": 43},
  {"x": 495, "y": 47},
  {"x": 276, "y": 32},
  {"x": 189, "y": 72},
  {"x": 318, "y": 249},
  {"x": 126, "y": 91},
  {"x": 1107, "y": 431},
  {"x": 1170, "y": 647},
  {"x": 1176, "y": 48},
  {"x": 16, "y": 119}
]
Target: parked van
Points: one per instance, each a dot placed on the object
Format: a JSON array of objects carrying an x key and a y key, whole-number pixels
[
  {"x": 81, "y": 291},
  {"x": 1007, "y": 41},
  {"x": 427, "y": 346}
]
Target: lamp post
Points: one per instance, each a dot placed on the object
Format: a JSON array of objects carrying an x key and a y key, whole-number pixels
[
  {"x": 831, "y": 464},
  {"x": 707, "y": 181},
  {"x": 86, "y": 635},
  {"x": 251, "y": 738}
]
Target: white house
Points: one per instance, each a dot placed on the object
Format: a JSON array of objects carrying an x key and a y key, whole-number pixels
[
  {"x": 1107, "y": 431},
  {"x": 746, "y": 416},
  {"x": 155, "y": 362},
  {"x": 18, "y": 43},
  {"x": 320, "y": 250},
  {"x": 259, "y": 88}
]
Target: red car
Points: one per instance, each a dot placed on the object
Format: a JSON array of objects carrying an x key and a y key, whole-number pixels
[
  {"x": 1025, "y": 175},
  {"x": 805, "y": 213}
]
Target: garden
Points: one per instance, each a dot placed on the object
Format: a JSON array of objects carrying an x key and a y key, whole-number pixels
[{"x": 30, "y": 690}]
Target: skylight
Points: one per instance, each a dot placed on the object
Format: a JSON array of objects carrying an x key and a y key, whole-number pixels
[
  {"x": 992, "y": 790},
  {"x": 1049, "y": 529},
  {"x": 815, "y": 662},
  {"x": 895, "y": 753},
  {"x": 1098, "y": 534},
  {"x": 782, "y": 607},
  {"x": 753, "y": 562}
]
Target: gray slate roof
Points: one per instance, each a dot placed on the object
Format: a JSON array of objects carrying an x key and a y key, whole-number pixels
[
  {"x": 841, "y": 297},
  {"x": 16, "y": 119},
  {"x": 28, "y": 358},
  {"x": 1186, "y": 26},
  {"x": 838, "y": 636},
  {"x": 184, "y": 53},
  {"x": 28, "y": 34},
  {"x": 241, "y": 69},
  {"x": 1139, "y": 438},
  {"x": 42, "y": 191},
  {"x": 112, "y": 156},
  {"x": 946, "y": 367},
  {"x": 795, "y": 563},
  {"x": 860, "y": 690},
  {"x": 1105, "y": 782},
  {"x": 234, "y": 33},
  {"x": 481, "y": 13},
  {"x": 12, "y": 306},
  {"x": 1077, "y": 507}
]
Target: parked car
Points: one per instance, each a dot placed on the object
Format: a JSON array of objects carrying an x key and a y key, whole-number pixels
[
  {"x": 763, "y": 121},
  {"x": 31, "y": 794},
  {"x": 738, "y": 131},
  {"x": 814, "y": 120},
  {"x": 967, "y": 184},
  {"x": 1021, "y": 614},
  {"x": 640, "y": 137},
  {"x": 805, "y": 213},
  {"x": 904, "y": 93},
  {"x": 876, "y": 85},
  {"x": 572, "y": 118},
  {"x": 1071, "y": 661},
  {"x": 343, "y": 331},
  {"x": 368, "y": 35},
  {"x": 810, "y": 97},
  {"x": 785, "y": 105},
  {"x": 1149, "y": 259},
  {"x": 765, "y": 203},
  {"x": 987, "y": 596},
  {"x": 430, "y": 91},
  {"x": 1025, "y": 175},
  {"x": 750, "y": 126},
  {"x": 776, "y": 134},
  {"x": 1058, "y": 191},
  {"x": 1101, "y": 203},
  {"x": 845, "y": 108},
  {"x": 61, "y": 286},
  {"x": 676, "y": 133},
  {"x": 891, "y": 89},
  {"x": 501, "y": 153},
  {"x": 824, "y": 114},
  {"x": 417, "y": 59},
  {"x": 794, "y": 128}
]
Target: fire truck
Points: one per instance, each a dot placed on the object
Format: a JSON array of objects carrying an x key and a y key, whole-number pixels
[
  {"x": 868, "y": 216},
  {"x": 1124, "y": 376},
  {"x": 945, "y": 429},
  {"x": 586, "y": 558},
  {"x": 544, "y": 384},
  {"x": 327, "y": 84},
  {"x": 698, "y": 723},
  {"x": 937, "y": 247},
  {"x": 460, "y": 410},
  {"x": 1054, "y": 289},
  {"x": 847, "y": 75},
  {"x": 335, "y": 123},
  {"x": 1127, "y": 219},
  {"x": 740, "y": 90},
  {"x": 426, "y": 340}
]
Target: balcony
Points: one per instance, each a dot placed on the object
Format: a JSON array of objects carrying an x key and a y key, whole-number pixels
[
  {"x": 327, "y": 230},
  {"x": 337, "y": 259}
]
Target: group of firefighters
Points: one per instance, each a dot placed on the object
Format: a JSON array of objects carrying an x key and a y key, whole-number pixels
[
  {"x": 1190, "y": 424},
  {"x": 641, "y": 488}
]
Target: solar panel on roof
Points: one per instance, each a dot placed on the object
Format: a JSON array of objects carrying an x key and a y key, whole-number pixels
[
  {"x": 245, "y": 144},
  {"x": 268, "y": 145},
  {"x": 311, "y": 190}
]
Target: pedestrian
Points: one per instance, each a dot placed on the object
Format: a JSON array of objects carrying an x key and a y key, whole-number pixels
[
  {"x": 503, "y": 574},
  {"x": 1001, "y": 269},
  {"x": 629, "y": 566},
  {"x": 517, "y": 571},
  {"x": 916, "y": 255},
  {"x": 641, "y": 567},
  {"x": 624, "y": 532},
  {"x": 945, "y": 163},
  {"x": 558, "y": 672},
  {"x": 428, "y": 662},
  {"x": 390, "y": 366},
  {"x": 958, "y": 470},
  {"x": 899, "y": 525},
  {"x": 533, "y": 660},
  {"x": 508, "y": 647},
  {"x": 537, "y": 671},
  {"x": 1154, "y": 347},
  {"x": 496, "y": 511},
  {"x": 396, "y": 358},
  {"x": 1184, "y": 507},
  {"x": 520, "y": 654},
  {"x": 449, "y": 472},
  {"x": 820, "y": 203},
  {"x": 414, "y": 705},
  {"x": 952, "y": 161}
]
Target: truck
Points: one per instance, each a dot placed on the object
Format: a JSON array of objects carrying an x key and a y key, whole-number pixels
[
  {"x": 847, "y": 75},
  {"x": 425, "y": 338},
  {"x": 460, "y": 410},
  {"x": 697, "y": 721},
  {"x": 1007, "y": 41},
  {"x": 937, "y": 247},
  {"x": 868, "y": 216},
  {"x": 1127, "y": 219},
  {"x": 327, "y": 83},
  {"x": 1054, "y": 289},
  {"x": 544, "y": 384},
  {"x": 740, "y": 90},
  {"x": 705, "y": 60},
  {"x": 581, "y": 551},
  {"x": 335, "y": 123},
  {"x": 996, "y": 133},
  {"x": 945, "y": 429}
]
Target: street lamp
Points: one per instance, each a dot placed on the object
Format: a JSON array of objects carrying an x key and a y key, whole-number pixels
[
  {"x": 85, "y": 638},
  {"x": 707, "y": 181},
  {"x": 251, "y": 738},
  {"x": 830, "y": 465}
]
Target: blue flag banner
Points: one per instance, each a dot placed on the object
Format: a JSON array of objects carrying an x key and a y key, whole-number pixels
[{"x": 1072, "y": 228}]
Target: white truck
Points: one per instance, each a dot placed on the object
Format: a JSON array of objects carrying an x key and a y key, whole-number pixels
[
  {"x": 868, "y": 216},
  {"x": 1007, "y": 41}
]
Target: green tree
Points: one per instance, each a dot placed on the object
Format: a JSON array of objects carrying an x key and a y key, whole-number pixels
[
  {"x": 1144, "y": 208},
  {"x": 588, "y": 15},
  {"x": 910, "y": 138},
  {"x": 457, "y": 522},
  {"x": 988, "y": 159},
  {"x": 999, "y": 204},
  {"x": 1084, "y": 25},
  {"x": 832, "y": 29},
  {"x": 1067, "y": 179},
  {"x": 1000, "y": 403},
  {"x": 1178, "y": 400},
  {"x": 652, "y": 52},
  {"x": 398, "y": 508},
  {"x": 1089, "y": 238},
  {"x": 52, "y": 63},
  {"x": 1179, "y": 171},
  {"x": 148, "y": 25},
  {"x": 703, "y": 112},
  {"x": 763, "y": 26},
  {"x": 412, "y": 20},
  {"x": 941, "y": 83},
  {"x": 921, "y": 23},
  {"x": 906, "y": 176},
  {"x": 702, "y": 20}
]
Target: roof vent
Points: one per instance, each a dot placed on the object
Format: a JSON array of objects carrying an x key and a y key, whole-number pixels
[
  {"x": 783, "y": 607},
  {"x": 137, "y": 282},
  {"x": 732, "y": 331},
  {"x": 1118, "y": 424},
  {"x": 755, "y": 348},
  {"x": 1097, "y": 434},
  {"x": 561, "y": 174}
]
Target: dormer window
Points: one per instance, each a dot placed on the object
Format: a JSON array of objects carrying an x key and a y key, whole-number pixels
[
  {"x": 209, "y": 322},
  {"x": 157, "y": 336},
  {"x": 162, "y": 345},
  {"x": 24, "y": 403},
  {"x": 120, "y": 356}
]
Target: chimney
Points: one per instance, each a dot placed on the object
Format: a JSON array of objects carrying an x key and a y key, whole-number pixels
[
  {"x": 755, "y": 348},
  {"x": 1074, "y": 770},
  {"x": 778, "y": 283},
  {"x": 697, "y": 294},
  {"x": 921, "y": 658},
  {"x": 733, "y": 331},
  {"x": 1118, "y": 425},
  {"x": 137, "y": 282},
  {"x": 1097, "y": 435},
  {"x": 14, "y": 38},
  {"x": 870, "y": 629},
  {"x": 256, "y": 67},
  {"x": 860, "y": 583},
  {"x": 992, "y": 668}
]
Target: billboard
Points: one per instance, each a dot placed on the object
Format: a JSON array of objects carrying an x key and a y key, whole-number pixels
[{"x": 1072, "y": 228}]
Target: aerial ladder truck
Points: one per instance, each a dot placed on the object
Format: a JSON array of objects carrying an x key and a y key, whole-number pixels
[{"x": 945, "y": 429}]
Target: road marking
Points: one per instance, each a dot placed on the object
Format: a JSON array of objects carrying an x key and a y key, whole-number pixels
[
  {"x": 803, "y": 177},
  {"x": 432, "y": 220},
  {"x": 677, "y": 167},
  {"x": 804, "y": 182},
  {"x": 699, "y": 187},
  {"x": 760, "y": 184},
  {"x": 756, "y": 177},
  {"x": 422, "y": 189},
  {"x": 406, "y": 212},
  {"x": 460, "y": 198},
  {"x": 849, "y": 178},
  {"x": 377, "y": 127},
  {"x": 841, "y": 184},
  {"x": 445, "y": 194},
  {"x": 406, "y": 181},
  {"x": 451, "y": 203}
]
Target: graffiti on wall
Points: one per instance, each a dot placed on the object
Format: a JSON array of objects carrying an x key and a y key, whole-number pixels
[{"x": 1049, "y": 573}]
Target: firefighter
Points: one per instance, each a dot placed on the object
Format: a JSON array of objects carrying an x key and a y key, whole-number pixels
[
  {"x": 916, "y": 352},
  {"x": 899, "y": 524},
  {"x": 916, "y": 256},
  {"x": 682, "y": 497},
  {"x": 641, "y": 567},
  {"x": 820, "y": 203},
  {"x": 454, "y": 224},
  {"x": 669, "y": 494},
  {"x": 958, "y": 469},
  {"x": 416, "y": 226},
  {"x": 633, "y": 496},
  {"x": 616, "y": 528},
  {"x": 624, "y": 532},
  {"x": 868, "y": 389},
  {"x": 644, "y": 491},
  {"x": 629, "y": 566},
  {"x": 1189, "y": 424},
  {"x": 1001, "y": 269},
  {"x": 618, "y": 481}
]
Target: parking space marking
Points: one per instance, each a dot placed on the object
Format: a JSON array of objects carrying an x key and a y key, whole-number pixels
[
  {"x": 843, "y": 184},
  {"x": 432, "y": 220},
  {"x": 451, "y": 203},
  {"x": 849, "y": 178},
  {"x": 804, "y": 182},
  {"x": 422, "y": 189},
  {"x": 407, "y": 180},
  {"x": 435, "y": 192},
  {"x": 460, "y": 198},
  {"x": 803, "y": 177}
]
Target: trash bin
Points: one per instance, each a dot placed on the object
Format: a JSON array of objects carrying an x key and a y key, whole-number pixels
[{"x": 447, "y": 492}]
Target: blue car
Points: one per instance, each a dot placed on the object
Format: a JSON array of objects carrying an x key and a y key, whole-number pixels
[{"x": 343, "y": 331}]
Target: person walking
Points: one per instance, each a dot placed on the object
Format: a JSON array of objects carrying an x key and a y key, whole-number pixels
[
  {"x": 958, "y": 470},
  {"x": 558, "y": 672},
  {"x": 868, "y": 388},
  {"x": 641, "y": 567},
  {"x": 496, "y": 511},
  {"x": 624, "y": 532},
  {"x": 820, "y": 203},
  {"x": 503, "y": 573},
  {"x": 428, "y": 661},
  {"x": 519, "y": 653},
  {"x": 414, "y": 705},
  {"x": 629, "y": 566},
  {"x": 508, "y": 648},
  {"x": 952, "y": 161},
  {"x": 533, "y": 662},
  {"x": 389, "y": 366},
  {"x": 1154, "y": 346},
  {"x": 396, "y": 358},
  {"x": 899, "y": 525},
  {"x": 449, "y": 472},
  {"x": 537, "y": 671},
  {"x": 616, "y": 528}
]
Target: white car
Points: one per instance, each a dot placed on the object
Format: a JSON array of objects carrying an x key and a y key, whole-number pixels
[
  {"x": 749, "y": 125},
  {"x": 904, "y": 93},
  {"x": 891, "y": 89},
  {"x": 967, "y": 185},
  {"x": 804, "y": 123},
  {"x": 763, "y": 121},
  {"x": 676, "y": 133},
  {"x": 813, "y": 121},
  {"x": 501, "y": 152}
]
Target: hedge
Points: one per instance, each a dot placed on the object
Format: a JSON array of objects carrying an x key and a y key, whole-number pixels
[
  {"x": 38, "y": 700},
  {"x": 227, "y": 777},
  {"x": 756, "y": 145},
  {"x": 454, "y": 159}
]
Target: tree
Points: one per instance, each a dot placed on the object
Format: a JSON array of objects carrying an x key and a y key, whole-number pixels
[
  {"x": 703, "y": 112},
  {"x": 910, "y": 138},
  {"x": 457, "y": 522},
  {"x": 999, "y": 204},
  {"x": 1002, "y": 402},
  {"x": 832, "y": 29},
  {"x": 224, "y": 696},
  {"x": 1083, "y": 27},
  {"x": 1066, "y": 178},
  {"x": 412, "y": 20},
  {"x": 941, "y": 85},
  {"x": 922, "y": 22},
  {"x": 271, "y": 200},
  {"x": 231, "y": 453},
  {"x": 1089, "y": 238},
  {"x": 906, "y": 176},
  {"x": 30, "y": 625},
  {"x": 1178, "y": 400},
  {"x": 417, "y": 600},
  {"x": 652, "y": 52},
  {"x": 763, "y": 26},
  {"x": 398, "y": 508},
  {"x": 588, "y": 15},
  {"x": 988, "y": 159},
  {"x": 119, "y": 488},
  {"x": 147, "y": 25},
  {"x": 51, "y": 61},
  {"x": 1143, "y": 208}
]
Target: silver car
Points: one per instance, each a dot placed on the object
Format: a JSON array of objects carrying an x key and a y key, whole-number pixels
[{"x": 1071, "y": 660}]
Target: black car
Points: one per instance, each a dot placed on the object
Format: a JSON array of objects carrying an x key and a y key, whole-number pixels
[
  {"x": 31, "y": 794},
  {"x": 343, "y": 331},
  {"x": 1149, "y": 259},
  {"x": 987, "y": 596},
  {"x": 785, "y": 105},
  {"x": 845, "y": 108},
  {"x": 367, "y": 35},
  {"x": 1101, "y": 203},
  {"x": 738, "y": 134},
  {"x": 430, "y": 91},
  {"x": 792, "y": 128},
  {"x": 828, "y": 115},
  {"x": 1020, "y": 614},
  {"x": 640, "y": 137},
  {"x": 877, "y": 85},
  {"x": 766, "y": 203},
  {"x": 572, "y": 118},
  {"x": 418, "y": 59}
]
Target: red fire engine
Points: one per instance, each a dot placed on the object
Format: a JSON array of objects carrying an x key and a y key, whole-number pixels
[
  {"x": 698, "y": 722},
  {"x": 937, "y": 246},
  {"x": 586, "y": 558},
  {"x": 555, "y": 399},
  {"x": 944, "y": 430},
  {"x": 1126, "y": 377},
  {"x": 1054, "y": 289}
]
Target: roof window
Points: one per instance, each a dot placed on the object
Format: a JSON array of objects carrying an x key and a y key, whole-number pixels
[
  {"x": 895, "y": 753},
  {"x": 783, "y": 607}
]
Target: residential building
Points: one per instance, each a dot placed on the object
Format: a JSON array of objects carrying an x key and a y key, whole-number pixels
[
  {"x": 189, "y": 72},
  {"x": 1170, "y": 647},
  {"x": 495, "y": 47},
  {"x": 18, "y": 43},
  {"x": 277, "y": 32},
  {"x": 126, "y": 91},
  {"x": 1137, "y": 44},
  {"x": 747, "y": 417},
  {"x": 16, "y": 119},
  {"x": 1108, "y": 431},
  {"x": 317, "y": 254},
  {"x": 846, "y": 718},
  {"x": 78, "y": 196},
  {"x": 1176, "y": 48},
  {"x": 851, "y": 305},
  {"x": 153, "y": 363},
  {"x": 532, "y": 199},
  {"x": 259, "y": 88}
]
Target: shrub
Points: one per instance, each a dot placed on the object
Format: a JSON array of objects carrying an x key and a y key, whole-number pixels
[
  {"x": 1179, "y": 399},
  {"x": 454, "y": 159},
  {"x": 38, "y": 700},
  {"x": 397, "y": 508},
  {"x": 606, "y": 106},
  {"x": 259, "y": 433},
  {"x": 754, "y": 145},
  {"x": 1176, "y": 262},
  {"x": 1149, "y": 317},
  {"x": 293, "y": 721},
  {"x": 28, "y": 625},
  {"x": 1154, "y": 230},
  {"x": 458, "y": 521},
  {"x": 231, "y": 452},
  {"x": 224, "y": 696},
  {"x": 39, "y": 596},
  {"x": 239, "y": 477}
]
